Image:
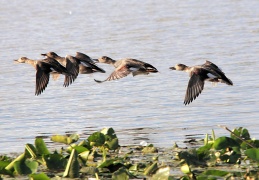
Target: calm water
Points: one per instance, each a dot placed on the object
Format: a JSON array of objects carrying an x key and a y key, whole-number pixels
[{"x": 146, "y": 108}]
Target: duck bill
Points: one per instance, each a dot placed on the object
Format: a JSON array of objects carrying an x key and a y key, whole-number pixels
[
  {"x": 96, "y": 60},
  {"x": 16, "y": 61},
  {"x": 43, "y": 54},
  {"x": 173, "y": 68}
]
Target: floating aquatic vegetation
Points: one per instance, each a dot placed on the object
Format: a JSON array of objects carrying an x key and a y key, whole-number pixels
[{"x": 100, "y": 156}]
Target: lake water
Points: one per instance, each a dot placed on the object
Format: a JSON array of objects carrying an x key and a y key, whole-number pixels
[{"x": 148, "y": 108}]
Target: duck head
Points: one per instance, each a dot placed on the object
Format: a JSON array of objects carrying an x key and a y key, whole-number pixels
[
  {"x": 179, "y": 67},
  {"x": 105, "y": 59},
  {"x": 50, "y": 54},
  {"x": 20, "y": 60}
]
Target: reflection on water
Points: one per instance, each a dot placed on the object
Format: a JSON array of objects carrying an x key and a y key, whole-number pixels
[{"x": 148, "y": 108}]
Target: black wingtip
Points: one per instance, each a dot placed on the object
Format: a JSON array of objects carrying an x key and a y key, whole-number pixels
[
  {"x": 66, "y": 84},
  {"x": 98, "y": 81},
  {"x": 229, "y": 82}
]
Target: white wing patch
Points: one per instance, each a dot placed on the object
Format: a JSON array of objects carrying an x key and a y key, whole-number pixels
[
  {"x": 211, "y": 75},
  {"x": 133, "y": 69}
]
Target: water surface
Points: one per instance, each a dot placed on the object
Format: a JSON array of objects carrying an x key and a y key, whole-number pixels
[{"x": 148, "y": 108}]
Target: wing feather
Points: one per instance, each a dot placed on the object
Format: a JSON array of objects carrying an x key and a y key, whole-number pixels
[
  {"x": 73, "y": 67},
  {"x": 119, "y": 73},
  {"x": 194, "y": 88},
  {"x": 42, "y": 80}
]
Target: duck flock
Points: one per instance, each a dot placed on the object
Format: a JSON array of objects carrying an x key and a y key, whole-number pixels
[{"x": 71, "y": 66}]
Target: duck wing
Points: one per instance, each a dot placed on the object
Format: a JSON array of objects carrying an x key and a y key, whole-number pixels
[
  {"x": 215, "y": 70},
  {"x": 92, "y": 66},
  {"x": 211, "y": 64},
  {"x": 84, "y": 57},
  {"x": 73, "y": 68},
  {"x": 56, "y": 66},
  {"x": 88, "y": 62},
  {"x": 42, "y": 79},
  {"x": 194, "y": 88},
  {"x": 119, "y": 73}
]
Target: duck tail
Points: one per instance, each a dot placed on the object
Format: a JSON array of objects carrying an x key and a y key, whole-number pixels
[
  {"x": 227, "y": 81},
  {"x": 150, "y": 68}
]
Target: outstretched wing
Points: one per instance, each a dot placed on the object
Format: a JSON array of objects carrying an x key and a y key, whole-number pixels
[
  {"x": 73, "y": 68},
  {"x": 194, "y": 88},
  {"x": 56, "y": 65},
  {"x": 119, "y": 73},
  {"x": 212, "y": 65},
  {"x": 88, "y": 62},
  {"x": 214, "y": 69},
  {"x": 84, "y": 57},
  {"x": 42, "y": 80}
]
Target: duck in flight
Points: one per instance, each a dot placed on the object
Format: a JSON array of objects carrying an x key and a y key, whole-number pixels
[
  {"x": 126, "y": 66},
  {"x": 198, "y": 75},
  {"x": 43, "y": 69},
  {"x": 81, "y": 63},
  {"x": 88, "y": 66}
]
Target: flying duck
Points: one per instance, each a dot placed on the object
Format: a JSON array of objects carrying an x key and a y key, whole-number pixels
[
  {"x": 89, "y": 65},
  {"x": 198, "y": 75},
  {"x": 126, "y": 66},
  {"x": 81, "y": 63},
  {"x": 43, "y": 69}
]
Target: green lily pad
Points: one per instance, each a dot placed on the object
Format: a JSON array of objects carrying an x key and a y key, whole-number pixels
[
  {"x": 19, "y": 158},
  {"x": 65, "y": 139},
  {"x": 120, "y": 174},
  {"x": 148, "y": 149},
  {"x": 216, "y": 173},
  {"x": 224, "y": 142},
  {"x": 84, "y": 155},
  {"x": 133, "y": 167},
  {"x": 242, "y": 133},
  {"x": 163, "y": 173},
  {"x": 96, "y": 139},
  {"x": 72, "y": 168},
  {"x": 185, "y": 168},
  {"x": 74, "y": 137},
  {"x": 204, "y": 151},
  {"x": 4, "y": 164},
  {"x": 113, "y": 144},
  {"x": 253, "y": 154},
  {"x": 79, "y": 149},
  {"x": 245, "y": 145},
  {"x": 41, "y": 146},
  {"x": 55, "y": 161},
  {"x": 26, "y": 167},
  {"x": 89, "y": 170},
  {"x": 109, "y": 132},
  {"x": 40, "y": 176},
  {"x": 190, "y": 157},
  {"x": 85, "y": 144},
  {"x": 151, "y": 169},
  {"x": 205, "y": 177},
  {"x": 112, "y": 164},
  {"x": 109, "y": 162},
  {"x": 30, "y": 151}
]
